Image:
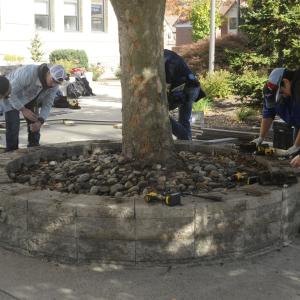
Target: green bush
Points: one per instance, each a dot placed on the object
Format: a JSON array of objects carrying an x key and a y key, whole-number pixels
[
  {"x": 11, "y": 58},
  {"x": 118, "y": 72},
  {"x": 69, "y": 58},
  {"x": 204, "y": 105},
  {"x": 244, "y": 113},
  {"x": 97, "y": 70},
  {"x": 249, "y": 85},
  {"x": 240, "y": 61},
  {"x": 217, "y": 84}
]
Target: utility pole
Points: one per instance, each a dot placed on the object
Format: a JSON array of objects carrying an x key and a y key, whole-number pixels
[
  {"x": 239, "y": 14},
  {"x": 212, "y": 41}
]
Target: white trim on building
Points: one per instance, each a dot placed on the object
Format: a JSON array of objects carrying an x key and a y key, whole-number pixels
[{"x": 62, "y": 24}]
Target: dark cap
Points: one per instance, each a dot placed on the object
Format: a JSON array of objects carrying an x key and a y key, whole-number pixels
[{"x": 4, "y": 86}]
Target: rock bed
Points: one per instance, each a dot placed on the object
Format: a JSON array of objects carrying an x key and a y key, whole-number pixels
[{"x": 106, "y": 173}]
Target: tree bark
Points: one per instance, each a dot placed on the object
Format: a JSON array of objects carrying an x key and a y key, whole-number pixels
[{"x": 146, "y": 127}]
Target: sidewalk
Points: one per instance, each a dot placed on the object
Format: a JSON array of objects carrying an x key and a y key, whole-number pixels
[
  {"x": 106, "y": 105},
  {"x": 274, "y": 276}
]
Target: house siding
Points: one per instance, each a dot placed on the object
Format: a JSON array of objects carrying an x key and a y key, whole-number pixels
[{"x": 183, "y": 35}]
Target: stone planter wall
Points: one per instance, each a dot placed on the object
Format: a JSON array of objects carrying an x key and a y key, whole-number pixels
[{"x": 83, "y": 228}]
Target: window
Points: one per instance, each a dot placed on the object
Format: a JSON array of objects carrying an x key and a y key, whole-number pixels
[
  {"x": 71, "y": 15},
  {"x": 97, "y": 15},
  {"x": 42, "y": 15},
  {"x": 232, "y": 23}
]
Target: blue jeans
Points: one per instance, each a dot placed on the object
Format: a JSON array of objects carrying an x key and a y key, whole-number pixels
[
  {"x": 12, "y": 120},
  {"x": 182, "y": 128}
]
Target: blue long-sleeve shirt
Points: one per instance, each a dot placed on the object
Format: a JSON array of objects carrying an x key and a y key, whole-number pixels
[{"x": 288, "y": 110}]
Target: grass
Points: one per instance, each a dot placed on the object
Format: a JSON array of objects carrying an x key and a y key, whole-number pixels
[
  {"x": 245, "y": 113},
  {"x": 204, "y": 105}
]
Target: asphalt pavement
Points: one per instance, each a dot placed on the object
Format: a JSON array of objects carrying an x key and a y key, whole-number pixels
[{"x": 273, "y": 276}]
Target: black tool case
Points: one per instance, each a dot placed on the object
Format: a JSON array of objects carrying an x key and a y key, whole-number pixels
[{"x": 282, "y": 135}]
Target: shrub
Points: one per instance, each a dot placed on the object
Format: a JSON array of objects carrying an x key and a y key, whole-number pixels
[
  {"x": 196, "y": 55},
  {"x": 217, "y": 84},
  {"x": 13, "y": 59},
  {"x": 204, "y": 105},
  {"x": 244, "y": 113},
  {"x": 249, "y": 85},
  {"x": 118, "y": 72},
  {"x": 242, "y": 61},
  {"x": 68, "y": 65},
  {"x": 70, "y": 57},
  {"x": 97, "y": 70},
  {"x": 36, "y": 48}
]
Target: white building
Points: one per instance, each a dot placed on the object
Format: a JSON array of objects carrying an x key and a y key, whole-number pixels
[{"x": 88, "y": 25}]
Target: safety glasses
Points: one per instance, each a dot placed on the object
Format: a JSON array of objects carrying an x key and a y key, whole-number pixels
[{"x": 58, "y": 80}]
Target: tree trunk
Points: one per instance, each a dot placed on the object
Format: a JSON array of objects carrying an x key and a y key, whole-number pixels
[{"x": 146, "y": 127}]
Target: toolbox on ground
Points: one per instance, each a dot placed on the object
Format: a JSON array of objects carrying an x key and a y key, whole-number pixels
[{"x": 282, "y": 135}]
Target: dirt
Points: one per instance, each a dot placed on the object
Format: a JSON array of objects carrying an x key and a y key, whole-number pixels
[{"x": 223, "y": 116}]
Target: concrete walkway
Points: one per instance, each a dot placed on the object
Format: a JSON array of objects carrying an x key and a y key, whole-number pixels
[
  {"x": 274, "y": 276},
  {"x": 106, "y": 105}
]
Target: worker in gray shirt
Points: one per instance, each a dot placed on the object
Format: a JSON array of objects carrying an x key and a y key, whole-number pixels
[{"x": 33, "y": 89}]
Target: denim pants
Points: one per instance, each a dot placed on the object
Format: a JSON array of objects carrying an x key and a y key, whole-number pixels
[
  {"x": 182, "y": 128},
  {"x": 12, "y": 120}
]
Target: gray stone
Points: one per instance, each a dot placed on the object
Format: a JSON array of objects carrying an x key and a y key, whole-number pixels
[
  {"x": 94, "y": 190},
  {"x": 116, "y": 187},
  {"x": 106, "y": 250},
  {"x": 106, "y": 228},
  {"x": 157, "y": 251}
]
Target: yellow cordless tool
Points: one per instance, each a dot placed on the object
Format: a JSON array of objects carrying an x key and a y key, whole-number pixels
[{"x": 169, "y": 199}]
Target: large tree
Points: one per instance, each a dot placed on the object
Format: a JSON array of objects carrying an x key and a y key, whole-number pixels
[{"x": 146, "y": 127}]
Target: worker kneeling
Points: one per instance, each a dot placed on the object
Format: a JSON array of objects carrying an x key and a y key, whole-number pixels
[{"x": 183, "y": 89}]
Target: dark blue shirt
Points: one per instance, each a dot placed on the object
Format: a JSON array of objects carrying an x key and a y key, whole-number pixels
[{"x": 288, "y": 110}]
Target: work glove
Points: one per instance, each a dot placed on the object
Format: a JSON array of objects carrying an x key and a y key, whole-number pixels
[
  {"x": 292, "y": 150},
  {"x": 258, "y": 141}
]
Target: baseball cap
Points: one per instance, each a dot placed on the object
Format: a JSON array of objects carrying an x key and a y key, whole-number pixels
[
  {"x": 58, "y": 73},
  {"x": 274, "y": 81},
  {"x": 4, "y": 87}
]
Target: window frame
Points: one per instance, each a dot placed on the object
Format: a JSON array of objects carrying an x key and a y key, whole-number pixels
[
  {"x": 236, "y": 23},
  {"x": 100, "y": 30},
  {"x": 43, "y": 15},
  {"x": 75, "y": 2}
]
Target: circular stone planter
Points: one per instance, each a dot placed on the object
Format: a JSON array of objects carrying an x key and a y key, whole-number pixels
[{"x": 82, "y": 228}]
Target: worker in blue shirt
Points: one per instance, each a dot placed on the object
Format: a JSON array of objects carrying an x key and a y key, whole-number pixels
[
  {"x": 282, "y": 98},
  {"x": 183, "y": 89}
]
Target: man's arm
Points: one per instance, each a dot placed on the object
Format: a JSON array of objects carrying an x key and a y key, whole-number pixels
[
  {"x": 47, "y": 103},
  {"x": 265, "y": 126}
]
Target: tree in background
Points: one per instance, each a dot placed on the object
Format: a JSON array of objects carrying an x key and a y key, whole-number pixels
[
  {"x": 273, "y": 27},
  {"x": 181, "y": 8},
  {"x": 36, "y": 48},
  {"x": 146, "y": 129},
  {"x": 200, "y": 18}
]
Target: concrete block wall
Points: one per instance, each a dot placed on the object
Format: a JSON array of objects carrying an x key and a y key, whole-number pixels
[{"x": 84, "y": 228}]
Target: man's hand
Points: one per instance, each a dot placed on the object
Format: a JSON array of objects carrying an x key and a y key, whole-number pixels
[
  {"x": 286, "y": 90},
  {"x": 296, "y": 161},
  {"x": 34, "y": 127},
  {"x": 28, "y": 114},
  {"x": 292, "y": 150},
  {"x": 258, "y": 141}
]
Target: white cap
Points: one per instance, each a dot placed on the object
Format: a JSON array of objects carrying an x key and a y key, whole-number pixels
[{"x": 57, "y": 72}]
